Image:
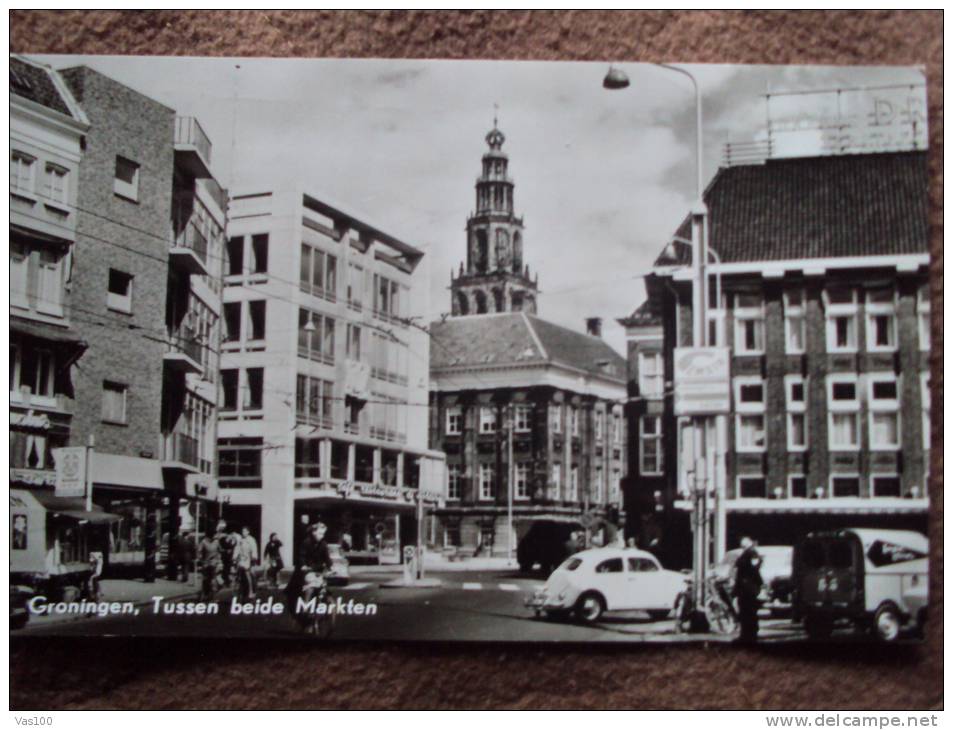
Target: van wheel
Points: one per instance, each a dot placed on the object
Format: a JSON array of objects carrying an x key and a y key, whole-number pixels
[
  {"x": 590, "y": 607},
  {"x": 818, "y": 627},
  {"x": 887, "y": 623}
]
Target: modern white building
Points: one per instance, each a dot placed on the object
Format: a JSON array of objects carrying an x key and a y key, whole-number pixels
[{"x": 324, "y": 378}]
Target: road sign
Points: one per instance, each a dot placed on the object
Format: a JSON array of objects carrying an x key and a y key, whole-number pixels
[{"x": 702, "y": 381}]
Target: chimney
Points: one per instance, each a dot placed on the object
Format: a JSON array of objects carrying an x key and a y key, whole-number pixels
[{"x": 594, "y": 326}]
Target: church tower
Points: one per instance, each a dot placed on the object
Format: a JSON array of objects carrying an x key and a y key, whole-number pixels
[{"x": 495, "y": 278}]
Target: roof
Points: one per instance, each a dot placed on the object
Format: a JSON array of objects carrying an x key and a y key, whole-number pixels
[
  {"x": 648, "y": 312},
  {"x": 518, "y": 338},
  {"x": 39, "y": 84},
  {"x": 815, "y": 207}
]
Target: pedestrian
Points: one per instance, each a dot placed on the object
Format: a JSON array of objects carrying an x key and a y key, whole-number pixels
[
  {"x": 273, "y": 561},
  {"x": 313, "y": 556},
  {"x": 226, "y": 547},
  {"x": 747, "y": 588},
  {"x": 210, "y": 563},
  {"x": 246, "y": 557}
]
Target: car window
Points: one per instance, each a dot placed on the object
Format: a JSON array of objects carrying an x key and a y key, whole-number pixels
[
  {"x": 813, "y": 555},
  {"x": 614, "y": 565},
  {"x": 572, "y": 564},
  {"x": 641, "y": 565}
]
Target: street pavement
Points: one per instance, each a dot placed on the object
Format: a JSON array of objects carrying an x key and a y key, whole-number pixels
[{"x": 480, "y": 605}]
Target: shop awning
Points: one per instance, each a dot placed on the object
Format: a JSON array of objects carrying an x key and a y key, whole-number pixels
[
  {"x": 73, "y": 508},
  {"x": 41, "y": 330}
]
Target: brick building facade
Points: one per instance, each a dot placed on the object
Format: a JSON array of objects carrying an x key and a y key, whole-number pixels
[{"x": 821, "y": 293}]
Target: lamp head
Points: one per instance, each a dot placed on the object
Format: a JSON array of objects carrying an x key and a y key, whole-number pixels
[{"x": 615, "y": 79}]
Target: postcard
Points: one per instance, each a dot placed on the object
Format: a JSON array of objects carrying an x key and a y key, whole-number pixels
[{"x": 473, "y": 351}]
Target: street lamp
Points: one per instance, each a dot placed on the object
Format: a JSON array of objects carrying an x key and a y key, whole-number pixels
[{"x": 617, "y": 79}]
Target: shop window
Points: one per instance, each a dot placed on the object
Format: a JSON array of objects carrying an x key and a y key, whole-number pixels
[
  {"x": 126, "y": 180},
  {"x": 114, "y": 402},
  {"x": 119, "y": 294}
]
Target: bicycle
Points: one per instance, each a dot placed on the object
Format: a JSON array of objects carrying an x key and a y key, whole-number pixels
[
  {"x": 314, "y": 594},
  {"x": 719, "y": 611}
]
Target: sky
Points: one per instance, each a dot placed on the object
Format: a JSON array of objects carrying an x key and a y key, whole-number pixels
[{"x": 603, "y": 178}]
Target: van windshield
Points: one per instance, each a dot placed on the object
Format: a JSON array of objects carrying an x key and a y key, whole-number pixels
[
  {"x": 813, "y": 555},
  {"x": 841, "y": 555}
]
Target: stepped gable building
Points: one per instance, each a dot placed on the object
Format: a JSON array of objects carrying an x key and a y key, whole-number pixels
[
  {"x": 527, "y": 411},
  {"x": 822, "y": 295}
]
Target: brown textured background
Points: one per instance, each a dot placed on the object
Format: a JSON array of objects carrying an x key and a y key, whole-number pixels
[{"x": 154, "y": 674}]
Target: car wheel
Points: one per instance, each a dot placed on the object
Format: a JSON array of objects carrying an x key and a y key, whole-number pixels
[
  {"x": 590, "y": 607},
  {"x": 818, "y": 627},
  {"x": 887, "y": 623}
]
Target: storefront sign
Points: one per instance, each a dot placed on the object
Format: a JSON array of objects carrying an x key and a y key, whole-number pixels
[
  {"x": 33, "y": 421},
  {"x": 33, "y": 477},
  {"x": 70, "y": 471},
  {"x": 348, "y": 489},
  {"x": 702, "y": 383}
]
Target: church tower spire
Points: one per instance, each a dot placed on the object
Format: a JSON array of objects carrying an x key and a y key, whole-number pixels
[{"x": 495, "y": 278}]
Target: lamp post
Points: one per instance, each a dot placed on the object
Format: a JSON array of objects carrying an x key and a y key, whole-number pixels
[{"x": 617, "y": 79}]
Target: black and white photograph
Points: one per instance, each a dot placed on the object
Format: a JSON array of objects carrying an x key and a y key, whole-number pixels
[{"x": 351, "y": 350}]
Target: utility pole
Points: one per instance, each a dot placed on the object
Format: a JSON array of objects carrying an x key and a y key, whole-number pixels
[{"x": 510, "y": 472}]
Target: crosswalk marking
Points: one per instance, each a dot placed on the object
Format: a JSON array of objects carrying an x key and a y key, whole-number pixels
[
  {"x": 472, "y": 586},
  {"x": 509, "y": 587}
]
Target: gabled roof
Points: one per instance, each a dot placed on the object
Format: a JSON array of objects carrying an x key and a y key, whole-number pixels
[
  {"x": 647, "y": 313},
  {"x": 519, "y": 339},
  {"x": 40, "y": 83},
  {"x": 815, "y": 207}
]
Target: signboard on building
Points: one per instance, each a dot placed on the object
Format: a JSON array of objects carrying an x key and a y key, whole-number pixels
[
  {"x": 702, "y": 381},
  {"x": 70, "y": 471}
]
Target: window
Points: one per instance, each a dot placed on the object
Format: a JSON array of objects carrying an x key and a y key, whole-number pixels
[
  {"x": 555, "y": 419},
  {"x": 453, "y": 481},
  {"x": 119, "y": 294},
  {"x": 355, "y": 287},
  {"x": 36, "y": 277},
  {"x": 33, "y": 370},
  {"x": 885, "y": 485},
  {"x": 884, "y": 412},
  {"x": 651, "y": 375},
  {"x": 353, "y": 351},
  {"x": 486, "y": 481},
  {"x": 615, "y": 486},
  {"x": 235, "y": 256},
  {"x": 522, "y": 418},
  {"x": 599, "y": 425},
  {"x": 881, "y": 320},
  {"x": 114, "y": 402},
  {"x": 574, "y": 420},
  {"x": 642, "y": 565},
  {"x": 232, "y": 316},
  {"x": 841, "y": 316},
  {"x": 388, "y": 358},
  {"x": 843, "y": 408},
  {"x": 556, "y": 479},
  {"x": 21, "y": 172},
  {"x": 794, "y": 317},
  {"x": 315, "y": 336},
  {"x": 599, "y": 490},
  {"x": 650, "y": 445},
  {"x": 254, "y": 388},
  {"x": 239, "y": 463},
  {"x": 387, "y": 304},
  {"x": 753, "y": 487},
  {"x": 613, "y": 565},
  {"x": 245, "y": 322},
  {"x": 451, "y": 536},
  {"x": 318, "y": 272},
  {"x": 242, "y": 389},
  {"x": 55, "y": 184},
  {"x": 487, "y": 419},
  {"x": 521, "y": 481},
  {"x": 126, "y": 182},
  {"x": 314, "y": 401},
  {"x": 259, "y": 254},
  {"x": 454, "y": 421},
  {"x": 255, "y": 325},
  {"x": 923, "y": 316},
  {"x": 797, "y": 486},
  {"x": 616, "y": 428},
  {"x": 573, "y": 484},
  {"x": 845, "y": 486},
  {"x": 229, "y": 390},
  {"x": 796, "y": 412},
  {"x": 749, "y": 324},
  {"x": 749, "y": 407},
  {"x": 925, "y": 408}
]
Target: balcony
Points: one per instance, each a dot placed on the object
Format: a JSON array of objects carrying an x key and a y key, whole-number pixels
[
  {"x": 193, "y": 149},
  {"x": 184, "y": 353},
  {"x": 190, "y": 250},
  {"x": 180, "y": 452}
]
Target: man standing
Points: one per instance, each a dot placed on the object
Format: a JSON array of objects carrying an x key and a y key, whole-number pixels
[{"x": 747, "y": 588}]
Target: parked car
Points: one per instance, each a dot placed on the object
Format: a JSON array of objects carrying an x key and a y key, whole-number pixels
[
  {"x": 339, "y": 573},
  {"x": 592, "y": 582},
  {"x": 775, "y": 572},
  {"x": 547, "y": 544},
  {"x": 876, "y": 579}
]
